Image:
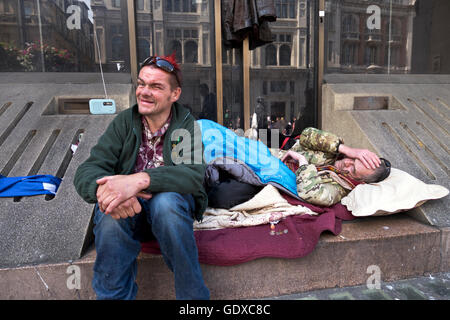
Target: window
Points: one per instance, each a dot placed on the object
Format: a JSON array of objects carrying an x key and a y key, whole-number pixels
[
  {"x": 278, "y": 86},
  {"x": 8, "y": 6},
  {"x": 285, "y": 55},
  {"x": 331, "y": 21},
  {"x": 175, "y": 46},
  {"x": 271, "y": 55},
  {"x": 143, "y": 32},
  {"x": 350, "y": 52},
  {"x": 371, "y": 55},
  {"x": 349, "y": 24},
  {"x": 185, "y": 43},
  {"x": 143, "y": 48},
  {"x": 279, "y": 52},
  {"x": 191, "y": 52},
  {"x": 392, "y": 57},
  {"x": 181, "y": 5},
  {"x": 395, "y": 32},
  {"x": 330, "y": 50},
  {"x": 140, "y": 4},
  {"x": 117, "y": 52},
  {"x": 28, "y": 9},
  {"x": 285, "y": 9},
  {"x": 116, "y": 3}
]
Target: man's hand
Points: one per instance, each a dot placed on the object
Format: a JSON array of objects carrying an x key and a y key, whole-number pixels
[
  {"x": 369, "y": 159},
  {"x": 294, "y": 156},
  {"x": 113, "y": 190},
  {"x": 126, "y": 209}
]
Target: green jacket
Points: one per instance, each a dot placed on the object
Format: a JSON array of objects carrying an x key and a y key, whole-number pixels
[
  {"x": 116, "y": 151},
  {"x": 324, "y": 188}
]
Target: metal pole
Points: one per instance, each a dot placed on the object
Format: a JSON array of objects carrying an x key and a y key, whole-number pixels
[
  {"x": 390, "y": 35},
  {"x": 246, "y": 76},
  {"x": 321, "y": 61},
  {"x": 40, "y": 35},
  {"x": 218, "y": 46},
  {"x": 132, "y": 41}
]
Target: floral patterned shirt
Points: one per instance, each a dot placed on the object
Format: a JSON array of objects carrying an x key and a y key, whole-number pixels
[{"x": 151, "y": 149}]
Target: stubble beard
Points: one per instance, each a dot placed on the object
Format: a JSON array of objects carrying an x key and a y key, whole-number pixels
[{"x": 156, "y": 110}]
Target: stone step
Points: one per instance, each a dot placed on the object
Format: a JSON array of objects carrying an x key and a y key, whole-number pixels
[{"x": 397, "y": 246}]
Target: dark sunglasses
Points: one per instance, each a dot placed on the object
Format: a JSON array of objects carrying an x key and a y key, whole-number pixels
[
  {"x": 162, "y": 64},
  {"x": 388, "y": 169}
]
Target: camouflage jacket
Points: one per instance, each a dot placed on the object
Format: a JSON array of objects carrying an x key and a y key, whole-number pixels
[{"x": 316, "y": 183}]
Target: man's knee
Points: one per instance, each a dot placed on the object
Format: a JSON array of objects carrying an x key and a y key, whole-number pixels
[
  {"x": 171, "y": 208},
  {"x": 105, "y": 225}
]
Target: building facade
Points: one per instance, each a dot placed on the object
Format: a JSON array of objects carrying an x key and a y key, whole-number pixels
[{"x": 369, "y": 36}]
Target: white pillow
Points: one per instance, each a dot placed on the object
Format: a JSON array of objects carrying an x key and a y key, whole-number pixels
[{"x": 398, "y": 192}]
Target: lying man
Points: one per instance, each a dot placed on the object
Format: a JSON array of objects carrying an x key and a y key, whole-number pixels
[{"x": 328, "y": 170}]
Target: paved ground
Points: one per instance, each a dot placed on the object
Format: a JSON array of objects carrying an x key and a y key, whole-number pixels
[{"x": 431, "y": 287}]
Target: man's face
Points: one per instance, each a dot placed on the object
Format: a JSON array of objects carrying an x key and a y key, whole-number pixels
[
  {"x": 154, "y": 94},
  {"x": 354, "y": 168}
]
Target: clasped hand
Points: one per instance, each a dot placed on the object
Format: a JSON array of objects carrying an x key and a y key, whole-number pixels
[{"x": 117, "y": 195}]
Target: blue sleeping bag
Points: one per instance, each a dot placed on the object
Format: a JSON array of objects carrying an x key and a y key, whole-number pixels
[{"x": 223, "y": 143}]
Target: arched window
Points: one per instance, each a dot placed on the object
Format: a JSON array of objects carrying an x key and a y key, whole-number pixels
[
  {"x": 190, "y": 52},
  {"x": 271, "y": 55},
  {"x": 285, "y": 55},
  {"x": 175, "y": 46},
  {"x": 117, "y": 50}
]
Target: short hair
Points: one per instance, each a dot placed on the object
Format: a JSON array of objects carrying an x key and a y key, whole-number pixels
[
  {"x": 380, "y": 173},
  {"x": 176, "y": 77}
]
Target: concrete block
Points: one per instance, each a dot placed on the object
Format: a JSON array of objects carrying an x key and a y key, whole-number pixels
[
  {"x": 400, "y": 246},
  {"x": 36, "y": 230},
  {"x": 413, "y": 133}
]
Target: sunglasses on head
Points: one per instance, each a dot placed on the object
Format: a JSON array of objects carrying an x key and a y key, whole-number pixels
[{"x": 161, "y": 64}]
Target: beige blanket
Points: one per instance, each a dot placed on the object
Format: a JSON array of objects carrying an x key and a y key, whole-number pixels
[{"x": 268, "y": 206}]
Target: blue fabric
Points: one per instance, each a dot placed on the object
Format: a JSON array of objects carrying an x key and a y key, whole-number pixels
[
  {"x": 222, "y": 142},
  {"x": 169, "y": 216},
  {"x": 28, "y": 186}
]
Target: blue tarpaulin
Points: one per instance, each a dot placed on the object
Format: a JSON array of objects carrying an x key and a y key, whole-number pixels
[{"x": 28, "y": 186}]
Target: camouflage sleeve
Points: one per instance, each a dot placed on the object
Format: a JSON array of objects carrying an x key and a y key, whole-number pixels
[
  {"x": 316, "y": 189},
  {"x": 319, "y": 140}
]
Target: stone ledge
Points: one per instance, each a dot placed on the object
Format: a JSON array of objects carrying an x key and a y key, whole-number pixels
[{"x": 400, "y": 246}]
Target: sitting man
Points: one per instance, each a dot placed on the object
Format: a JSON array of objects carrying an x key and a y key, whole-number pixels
[
  {"x": 132, "y": 176},
  {"x": 328, "y": 170}
]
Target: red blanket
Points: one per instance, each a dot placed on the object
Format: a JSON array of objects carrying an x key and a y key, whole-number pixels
[{"x": 292, "y": 237}]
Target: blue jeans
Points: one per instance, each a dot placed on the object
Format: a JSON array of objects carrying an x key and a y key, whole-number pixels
[{"x": 169, "y": 216}]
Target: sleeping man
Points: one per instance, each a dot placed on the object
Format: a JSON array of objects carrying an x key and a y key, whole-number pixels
[{"x": 328, "y": 169}]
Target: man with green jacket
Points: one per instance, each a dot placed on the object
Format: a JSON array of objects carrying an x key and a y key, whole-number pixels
[{"x": 135, "y": 178}]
